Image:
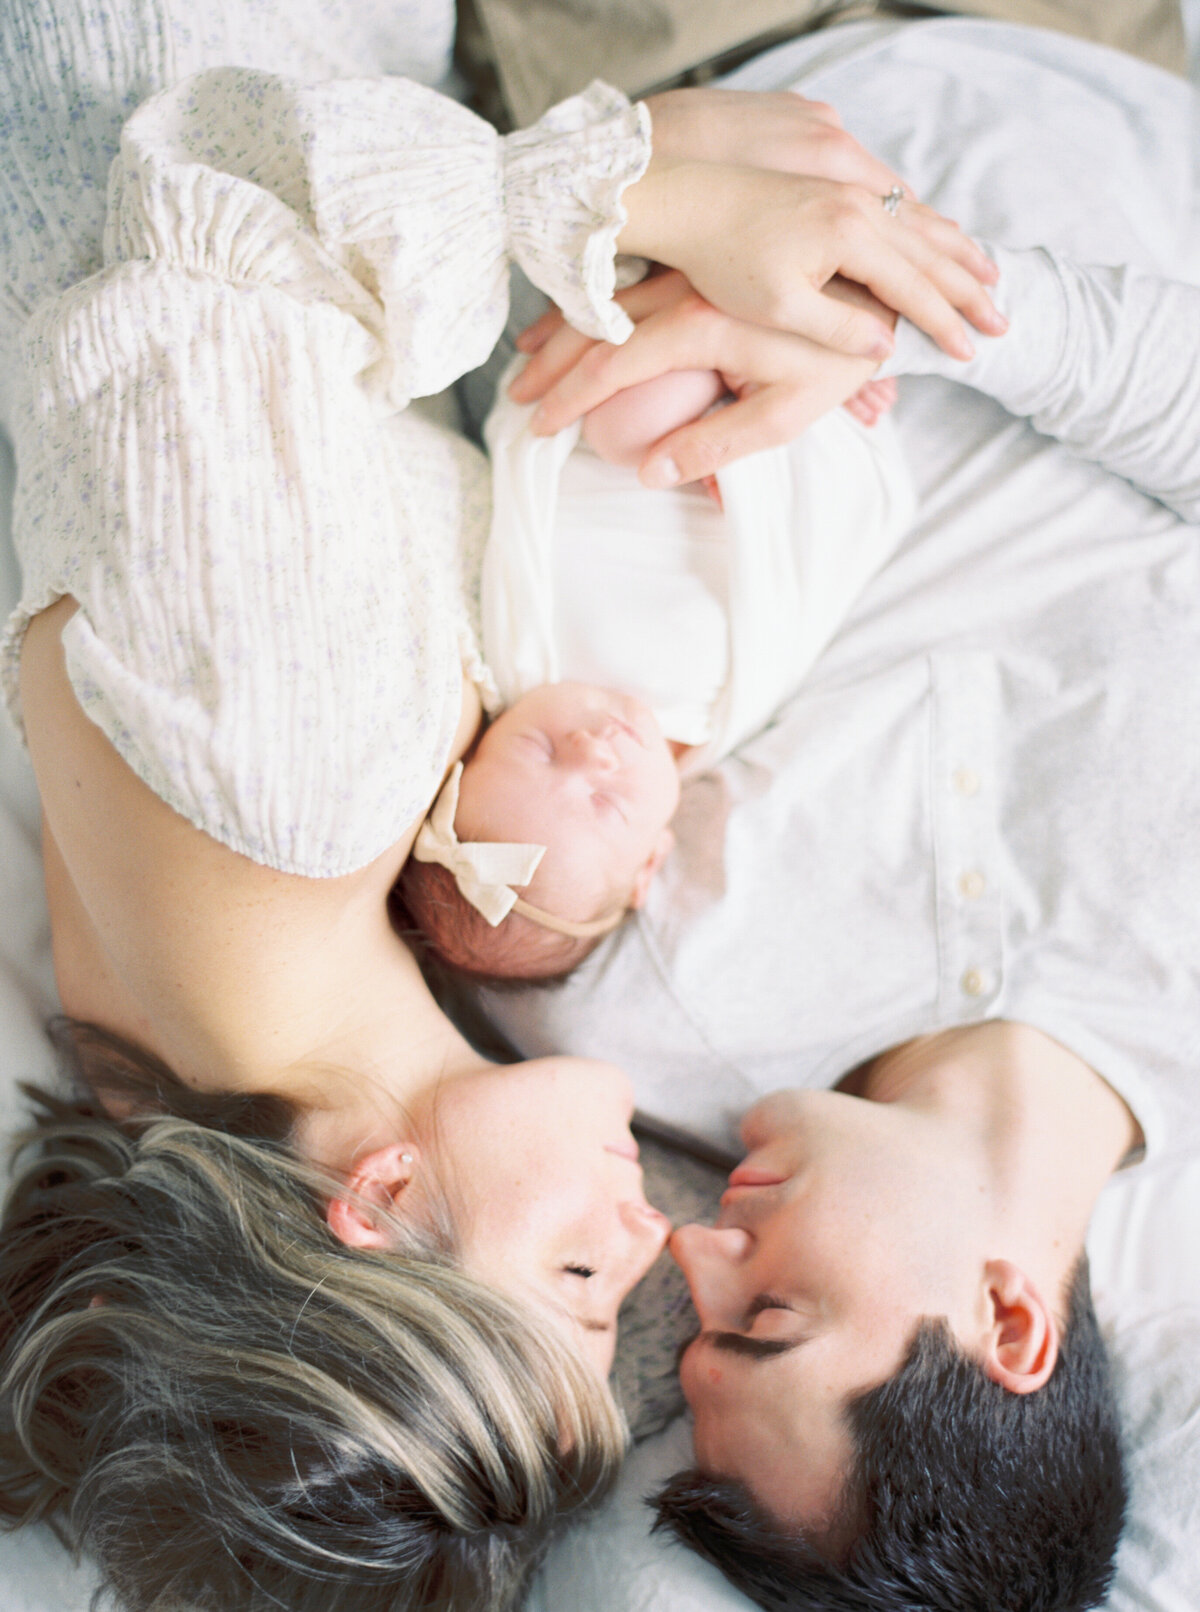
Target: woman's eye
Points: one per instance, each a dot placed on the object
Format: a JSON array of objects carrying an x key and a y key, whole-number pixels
[{"x": 580, "y": 1270}]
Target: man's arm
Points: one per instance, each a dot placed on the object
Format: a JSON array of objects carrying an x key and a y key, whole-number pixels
[{"x": 1105, "y": 360}]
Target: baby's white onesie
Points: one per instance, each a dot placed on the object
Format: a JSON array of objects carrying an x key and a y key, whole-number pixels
[{"x": 711, "y": 617}]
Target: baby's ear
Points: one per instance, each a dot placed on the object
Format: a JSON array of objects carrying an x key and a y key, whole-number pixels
[{"x": 645, "y": 877}]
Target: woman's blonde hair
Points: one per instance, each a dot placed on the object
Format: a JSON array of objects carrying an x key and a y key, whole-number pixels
[{"x": 229, "y": 1409}]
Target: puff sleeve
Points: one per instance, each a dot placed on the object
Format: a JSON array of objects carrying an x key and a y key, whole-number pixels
[
  {"x": 266, "y": 547},
  {"x": 405, "y": 199}
]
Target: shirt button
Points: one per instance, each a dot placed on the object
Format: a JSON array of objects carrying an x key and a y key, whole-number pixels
[
  {"x": 966, "y": 781},
  {"x": 971, "y": 884},
  {"x": 973, "y": 982}
]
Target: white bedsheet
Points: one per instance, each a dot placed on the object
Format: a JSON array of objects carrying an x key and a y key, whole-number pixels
[{"x": 1146, "y": 1255}]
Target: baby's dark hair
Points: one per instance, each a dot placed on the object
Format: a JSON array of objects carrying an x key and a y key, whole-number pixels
[{"x": 461, "y": 938}]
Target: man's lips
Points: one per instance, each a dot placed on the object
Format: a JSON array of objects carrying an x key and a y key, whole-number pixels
[
  {"x": 749, "y": 1175},
  {"x": 747, "y": 1179}
]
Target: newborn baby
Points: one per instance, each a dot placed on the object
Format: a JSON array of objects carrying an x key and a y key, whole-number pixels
[{"x": 635, "y": 636}]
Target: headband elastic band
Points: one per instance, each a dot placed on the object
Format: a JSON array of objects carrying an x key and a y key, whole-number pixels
[{"x": 486, "y": 870}]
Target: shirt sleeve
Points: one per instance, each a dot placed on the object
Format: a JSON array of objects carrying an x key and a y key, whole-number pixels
[
  {"x": 388, "y": 199},
  {"x": 1102, "y": 359}
]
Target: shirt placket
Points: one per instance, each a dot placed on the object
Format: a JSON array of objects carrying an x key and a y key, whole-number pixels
[{"x": 966, "y": 798}]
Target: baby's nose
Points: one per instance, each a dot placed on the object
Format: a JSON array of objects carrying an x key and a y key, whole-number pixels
[{"x": 596, "y": 748}]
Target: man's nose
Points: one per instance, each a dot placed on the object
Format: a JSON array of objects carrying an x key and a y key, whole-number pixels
[{"x": 711, "y": 1258}]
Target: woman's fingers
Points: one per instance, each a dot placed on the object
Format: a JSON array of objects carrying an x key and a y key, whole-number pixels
[
  {"x": 946, "y": 236},
  {"x": 775, "y": 129},
  {"x": 843, "y": 328},
  {"x": 959, "y": 268},
  {"x": 763, "y": 245},
  {"x": 830, "y": 153},
  {"x": 920, "y": 279}
]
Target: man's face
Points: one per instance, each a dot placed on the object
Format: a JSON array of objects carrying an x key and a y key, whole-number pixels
[{"x": 847, "y": 1222}]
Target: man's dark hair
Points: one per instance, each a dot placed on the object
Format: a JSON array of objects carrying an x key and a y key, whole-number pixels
[{"x": 966, "y": 1497}]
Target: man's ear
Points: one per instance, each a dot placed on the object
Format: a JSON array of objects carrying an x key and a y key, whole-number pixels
[
  {"x": 1020, "y": 1346},
  {"x": 662, "y": 850},
  {"x": 373, "y": 1189}
]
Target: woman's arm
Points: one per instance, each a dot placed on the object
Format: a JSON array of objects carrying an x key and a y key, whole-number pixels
[
  {"x": 758, "y": 238},
  {"x": 234, "y": 974},
  {"x": 763, "y": 246}
]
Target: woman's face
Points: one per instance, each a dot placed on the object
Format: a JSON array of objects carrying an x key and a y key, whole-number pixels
[{"x": 541, "y": 1176}]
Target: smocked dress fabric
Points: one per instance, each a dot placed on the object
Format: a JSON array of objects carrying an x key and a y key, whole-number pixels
[{"x": 276, "y": 559}]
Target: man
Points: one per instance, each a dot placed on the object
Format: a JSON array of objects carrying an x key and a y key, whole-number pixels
[
  {"x": 908, "y": 1258},
  {"x": 978, "y": 819}
]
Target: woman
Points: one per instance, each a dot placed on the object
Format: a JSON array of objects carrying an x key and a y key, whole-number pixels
[{"x": 269, "y": 669}]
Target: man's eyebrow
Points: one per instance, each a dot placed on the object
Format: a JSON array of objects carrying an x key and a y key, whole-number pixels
[{"x": 736, "y": 1343}]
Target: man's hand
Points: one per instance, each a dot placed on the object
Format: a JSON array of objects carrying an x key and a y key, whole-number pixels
[{"x": 781, "y": 382}]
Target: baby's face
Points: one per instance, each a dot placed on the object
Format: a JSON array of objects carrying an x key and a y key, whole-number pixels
[{"x": 587, "y": 773}]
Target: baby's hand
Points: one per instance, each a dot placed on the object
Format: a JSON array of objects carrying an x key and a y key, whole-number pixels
[
  {"x": 623, "y": 429},
  {"x": 872, "y": 401}
]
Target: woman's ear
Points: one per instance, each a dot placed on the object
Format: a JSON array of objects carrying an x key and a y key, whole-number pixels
[
  {"x": 1021, "y": 1344},
  {"x": 662, "y": 850},
  {"x": 372, "y": 1191}
]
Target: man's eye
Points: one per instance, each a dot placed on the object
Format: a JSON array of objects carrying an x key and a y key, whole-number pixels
[{"x": 580, "y": 1270}]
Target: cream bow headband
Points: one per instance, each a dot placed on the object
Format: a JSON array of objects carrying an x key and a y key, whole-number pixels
[{"x": 486, "y": 870}]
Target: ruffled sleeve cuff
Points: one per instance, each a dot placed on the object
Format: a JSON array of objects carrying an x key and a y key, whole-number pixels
[
  {"x": 387, "y": 200},
  {"x": 563, "y": 183}
]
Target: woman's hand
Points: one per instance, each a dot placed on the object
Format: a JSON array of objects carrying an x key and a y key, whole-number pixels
[
  {"x": 781, "y": 382},
  {"x": 775, "y": 129},
  {"x": 762, "y": 246}
]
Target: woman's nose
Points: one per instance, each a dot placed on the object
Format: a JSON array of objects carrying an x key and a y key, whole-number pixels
[
  {"x": 645, "y": 1233},
  {"x": 648, "y": 1229},
  {"x": 711, "y": 1258}
]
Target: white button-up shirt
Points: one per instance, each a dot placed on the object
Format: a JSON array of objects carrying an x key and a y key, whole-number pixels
[{"x": 986, "y": 800}]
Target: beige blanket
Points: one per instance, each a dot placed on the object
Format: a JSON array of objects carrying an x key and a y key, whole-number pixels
[{"x": 543, "y": 50}]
